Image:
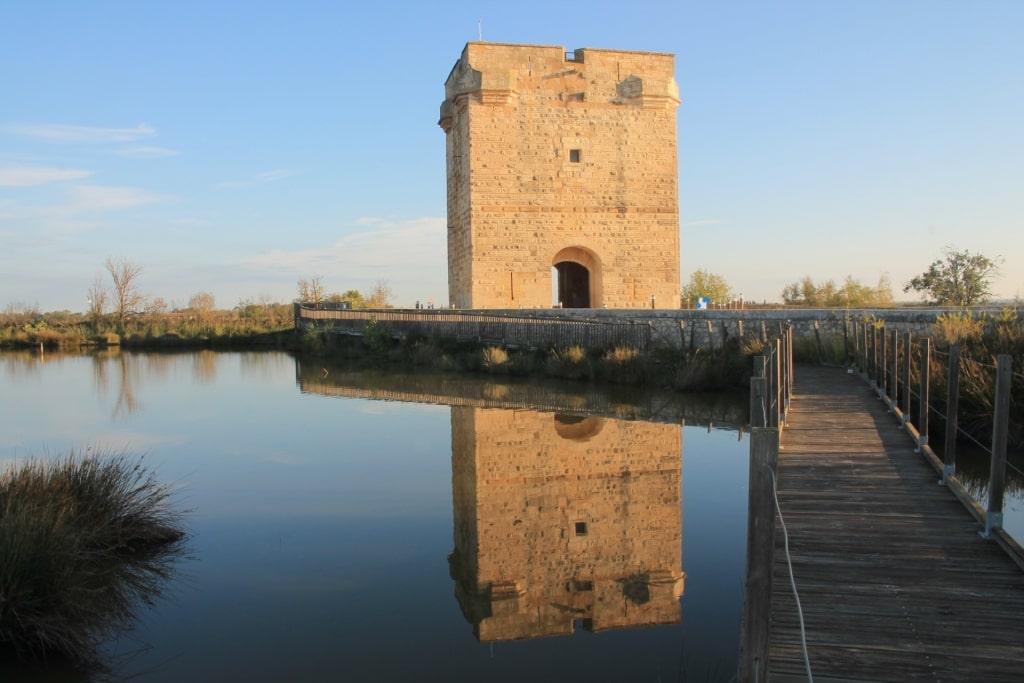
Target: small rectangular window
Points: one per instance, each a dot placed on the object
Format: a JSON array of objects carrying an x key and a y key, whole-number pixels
[
  {"x": 574, "y": 156},
  {"x": 581, "y": 528}
]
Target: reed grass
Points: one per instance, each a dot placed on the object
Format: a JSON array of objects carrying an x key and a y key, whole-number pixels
[
  {"x": 569, "y": 363},
  {"x": 495, "y": 359},
  {"x": 84, "y": 541}
]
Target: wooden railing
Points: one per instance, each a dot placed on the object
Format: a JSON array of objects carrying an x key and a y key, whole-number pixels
[
  {"x": 771, "y": 388},
  {"x": 499, "y": 329},
  {"x": 900, "y": 372}
]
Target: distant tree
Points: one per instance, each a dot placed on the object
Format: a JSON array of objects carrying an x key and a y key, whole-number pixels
[
  {"x": 703, "y": 283},
  {"x": 805, "y": 292},
  {"x": 18, "y": 314},
  {"x": 201, "y": 304},
  {"x": 311, "y": 291},
  {"x": 156, "y": 306},
  {"x": 353, "y": 297},
  {"x": 380, "y": 295},
  {"x": 959, "y": 278},
  {"x": 127, "y": 299}
]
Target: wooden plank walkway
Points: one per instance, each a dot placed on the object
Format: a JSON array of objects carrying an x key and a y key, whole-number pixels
[{"x": 895, "y": 582}]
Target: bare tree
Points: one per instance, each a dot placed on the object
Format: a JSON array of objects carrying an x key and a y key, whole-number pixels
[
  {"x": 97, "y": 297},
  {"x": 127, "y": 298}
]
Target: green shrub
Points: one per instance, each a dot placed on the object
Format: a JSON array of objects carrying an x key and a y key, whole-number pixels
[{"x": 377, "y": 336}]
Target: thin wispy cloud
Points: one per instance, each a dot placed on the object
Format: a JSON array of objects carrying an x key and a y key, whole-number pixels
[
  {"x": 26, "y": 176},
  {"x": 277, "y": 174},
  {"x": 265, "y": 177},
  {"x": 103, "y": 198},
  {"x": 380, "y": 248},
  {"x": 228, "y": 185},
  {"x": 146, "y": 152},
  {"x": 57, "y": 132}
]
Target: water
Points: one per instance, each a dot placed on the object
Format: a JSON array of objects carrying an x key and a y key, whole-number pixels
[{"x": 339, "y": 537}]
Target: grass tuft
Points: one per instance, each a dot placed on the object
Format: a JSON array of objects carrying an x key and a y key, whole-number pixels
[{"x": 84, "y": 541}]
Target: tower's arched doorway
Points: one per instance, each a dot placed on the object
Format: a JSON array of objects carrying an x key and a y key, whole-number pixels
[
  {"x": 573, "y": 285},
  {"x": 576, "y": 275}
]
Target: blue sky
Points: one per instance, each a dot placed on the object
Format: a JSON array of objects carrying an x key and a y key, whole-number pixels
[{"x": 234, "y": 148}]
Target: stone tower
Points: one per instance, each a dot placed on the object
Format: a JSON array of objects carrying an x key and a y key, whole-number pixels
[{"x": 562, "y": 178}]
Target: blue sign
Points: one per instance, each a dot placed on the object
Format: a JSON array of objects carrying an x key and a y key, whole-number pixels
[{"x": 702, "y": 302}]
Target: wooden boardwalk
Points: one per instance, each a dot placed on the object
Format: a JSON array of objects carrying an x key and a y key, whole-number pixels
[{"x": 894, "y": 580}]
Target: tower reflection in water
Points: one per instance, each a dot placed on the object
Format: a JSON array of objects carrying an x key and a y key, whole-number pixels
[{"x": 564, "y": 522}]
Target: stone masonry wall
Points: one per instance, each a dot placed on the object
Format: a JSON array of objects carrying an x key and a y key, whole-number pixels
[{"x": 561, "y": 158}]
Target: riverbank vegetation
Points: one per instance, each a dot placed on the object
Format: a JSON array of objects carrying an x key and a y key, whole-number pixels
[
  {"x": 726, "y": 367},
  {"x": 251, "y": 323},
  {"x": 84, "y": 540}
]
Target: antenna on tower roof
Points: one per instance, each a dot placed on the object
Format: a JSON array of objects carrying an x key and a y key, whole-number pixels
[{"x": 480, "y": 30}]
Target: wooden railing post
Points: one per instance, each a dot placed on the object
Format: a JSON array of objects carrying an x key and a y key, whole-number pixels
[
  {"x": 922, "y": 426},
  {"x": 775, "y": 383},
  {"x": 908, "y": 353},
  {"x": 755, "y": 630},
  {"x": 817, "y": 339},
  {"x": 759, "y": 393},
  {"x": 883, "y": 385},
  {"x": 1000, "y": 427},
  {"x": 874, "y": 356},
  {"x": 864, "y": 371},
  {"x": 952, "y": 407},
  {"x": 894, "y": 377},
  {"x": 787, "y": 359},
  {"x": 846, "y": 340}
]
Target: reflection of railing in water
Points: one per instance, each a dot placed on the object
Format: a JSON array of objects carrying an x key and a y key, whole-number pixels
[
  {"x": 502, "y": 329},
  {"x": 726, "y": 411}
]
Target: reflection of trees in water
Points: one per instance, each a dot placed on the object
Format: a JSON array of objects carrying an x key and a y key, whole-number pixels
[
  {"x": 973, "y": 467},
  {"x": 204, "y": 366},
  {"x": 135, "y": 370},
  {"x": 265, "y": 365},
  {"x": 128, "y": 376},
  {"x": 21, "y": 364}
]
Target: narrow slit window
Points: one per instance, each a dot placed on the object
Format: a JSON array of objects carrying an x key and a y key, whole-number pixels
[{"x": 574, "y": 156}]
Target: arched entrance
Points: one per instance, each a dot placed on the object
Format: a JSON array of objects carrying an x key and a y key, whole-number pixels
[
  {"x": 573, "y": 285},
  {"x": 576, "y": 274}
]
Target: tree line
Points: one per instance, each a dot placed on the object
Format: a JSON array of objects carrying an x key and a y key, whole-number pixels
[
  {"x": 957, "y": 278},
  {"x": 117, "y": 304}
]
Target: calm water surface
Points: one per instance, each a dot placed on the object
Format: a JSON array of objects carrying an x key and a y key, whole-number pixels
[{"x": 335, "y": 536}]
